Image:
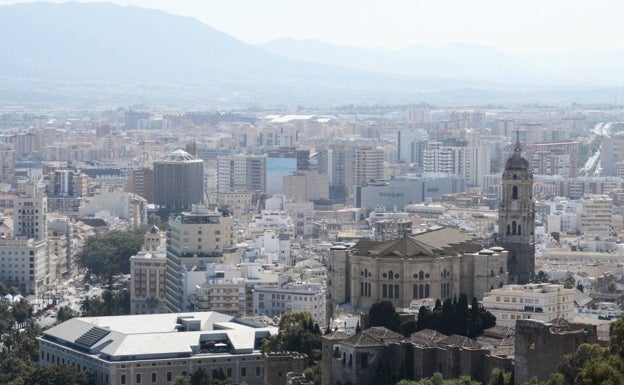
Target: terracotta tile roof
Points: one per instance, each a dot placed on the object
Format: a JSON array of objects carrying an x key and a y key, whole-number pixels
[{"x": 375, "y": 336}]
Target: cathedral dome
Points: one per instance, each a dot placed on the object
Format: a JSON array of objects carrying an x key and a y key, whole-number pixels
[{"x": 517, "y": 161}]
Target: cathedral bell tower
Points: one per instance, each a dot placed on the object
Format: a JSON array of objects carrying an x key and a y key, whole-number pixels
[{"x": 516, "y": 217}]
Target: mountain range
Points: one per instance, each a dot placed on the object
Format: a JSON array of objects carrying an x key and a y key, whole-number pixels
[{"x": 100, "y": 53}]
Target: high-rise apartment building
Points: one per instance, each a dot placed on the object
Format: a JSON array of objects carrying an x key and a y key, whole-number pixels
[
  {"x": 30, "y": 213},
  {"x": 178, "y": 181},
  {"x": 7, "y": 163},
  {"x": 141, "y": 182},
  {"x": 194, "y": 237},
  {"x": 241, "y": 174},
  {"x": 411, "y": 143},
  {"x": 369, "y": 164},
  {"x": 304, "y": 186}
]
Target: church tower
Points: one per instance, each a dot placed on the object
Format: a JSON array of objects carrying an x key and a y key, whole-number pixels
[{"x": 516, "y": 217}]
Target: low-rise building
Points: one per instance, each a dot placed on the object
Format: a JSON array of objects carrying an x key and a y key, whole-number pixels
[
  {"x": 291, "y": 297},
  {"x": 156, "y": 348},
  {"x": 543, "y": 302}
]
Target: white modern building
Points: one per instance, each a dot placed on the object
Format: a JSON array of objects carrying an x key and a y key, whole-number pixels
[
  {"x": 542, "y": 302},
  {"x": 157, "y": 348},
  {"x": 291, "y": 297}
]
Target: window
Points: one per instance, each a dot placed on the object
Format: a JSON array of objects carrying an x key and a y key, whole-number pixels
[
  {"x": 153, "y": 376},
  {"x": 243, "y": 372},
  {"x": 257, "y": 370},
  {"x": 122, "y": 380},
  {"x": 168, "y": 376},
  {"x": 138, "y": 378},
  {"x": 514, "y": 192}
]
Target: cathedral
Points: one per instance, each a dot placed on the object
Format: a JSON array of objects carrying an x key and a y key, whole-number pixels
[{"x": 516, "y": 217}]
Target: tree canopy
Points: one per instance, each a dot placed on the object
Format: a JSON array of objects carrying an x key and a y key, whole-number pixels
[
  {"x": 298, "y": 333},
  {"x": 109, "y": 254}
]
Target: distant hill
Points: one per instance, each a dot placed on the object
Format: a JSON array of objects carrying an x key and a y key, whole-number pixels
[
  {"x": 97, "y": 53},
  {"x": 452, "y": 61}
]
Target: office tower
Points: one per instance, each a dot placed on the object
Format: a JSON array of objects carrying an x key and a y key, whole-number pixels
[
  {"x": 516, "y": 217},
  {"x": 241, "y": 174},
  {"x": 194, "y": 237},
  {"x": 178, "y": 181}
]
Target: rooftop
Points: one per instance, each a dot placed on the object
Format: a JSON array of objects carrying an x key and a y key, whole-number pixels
[{"x": 135, "y": 337}]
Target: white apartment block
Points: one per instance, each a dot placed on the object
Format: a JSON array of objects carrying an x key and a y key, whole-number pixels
[
  {"x": 291, "y": 297},
  {"x": 29, "y": 213},
  {"x": 596, "y": 217},
  {"x": 543, "y": 302},
  {"x": 24, "y": 264}
]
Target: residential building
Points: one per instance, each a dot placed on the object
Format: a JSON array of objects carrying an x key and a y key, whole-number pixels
[
  {"x": 291, "y": 297},
  {"x": 241, "y": 174},
  {"x": 194, "y": 237},
  {"x": 147, "y": 275},
  {"x": 141, "y": 182},
  {"x": 305, "y": 186},
  {"x": 596, "y": 217},
  {"x": 369, "y": 163},
  {"x": 222, "y": 291}
]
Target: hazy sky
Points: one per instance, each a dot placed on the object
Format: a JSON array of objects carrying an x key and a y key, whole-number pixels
[{"x": 511, "y": 25}]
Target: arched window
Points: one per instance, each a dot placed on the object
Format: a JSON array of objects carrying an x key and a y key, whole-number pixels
[
  {"x": 396, "y": 291},
  {"x": 415, "y": 291},
  {"x": 514, "y": 192},
  {"x": 421, "y": 275},
  {"x": 519, "y": 230},
  {"x": 390, "y": 292},
  {"x": 421, "y": 291},
  {"x": 513, "y": 228},
  {"x": 508, "y": 230},
  {"x": 427, "y": 291},
  {"x": 390, "y": 274},
  {"x": 384, "y": 291}
]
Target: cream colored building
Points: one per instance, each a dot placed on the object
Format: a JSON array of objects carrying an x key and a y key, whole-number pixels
[
  {"x": 304, "y": 186},
  {"x": 596, "y": 216},
  {"x": 194, "y": 237},
  {"x": 439, "y": 263},
  {"x": 542, "y": 302},
  {"x": 147, "y": 275}
]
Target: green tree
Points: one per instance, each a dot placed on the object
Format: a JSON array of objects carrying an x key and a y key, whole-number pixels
[
  {"x": 384, "y": 314},
  {"x": 200, "y": 377},
  {"x": 314, "y": 373},
  {"x": 22, "y": 311},
  {"x": 296, "y": 334},
  {"x": 109, "y": 254},
  {"x": 58, "y": 374},
  {"x": 65, "y": 313}
]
